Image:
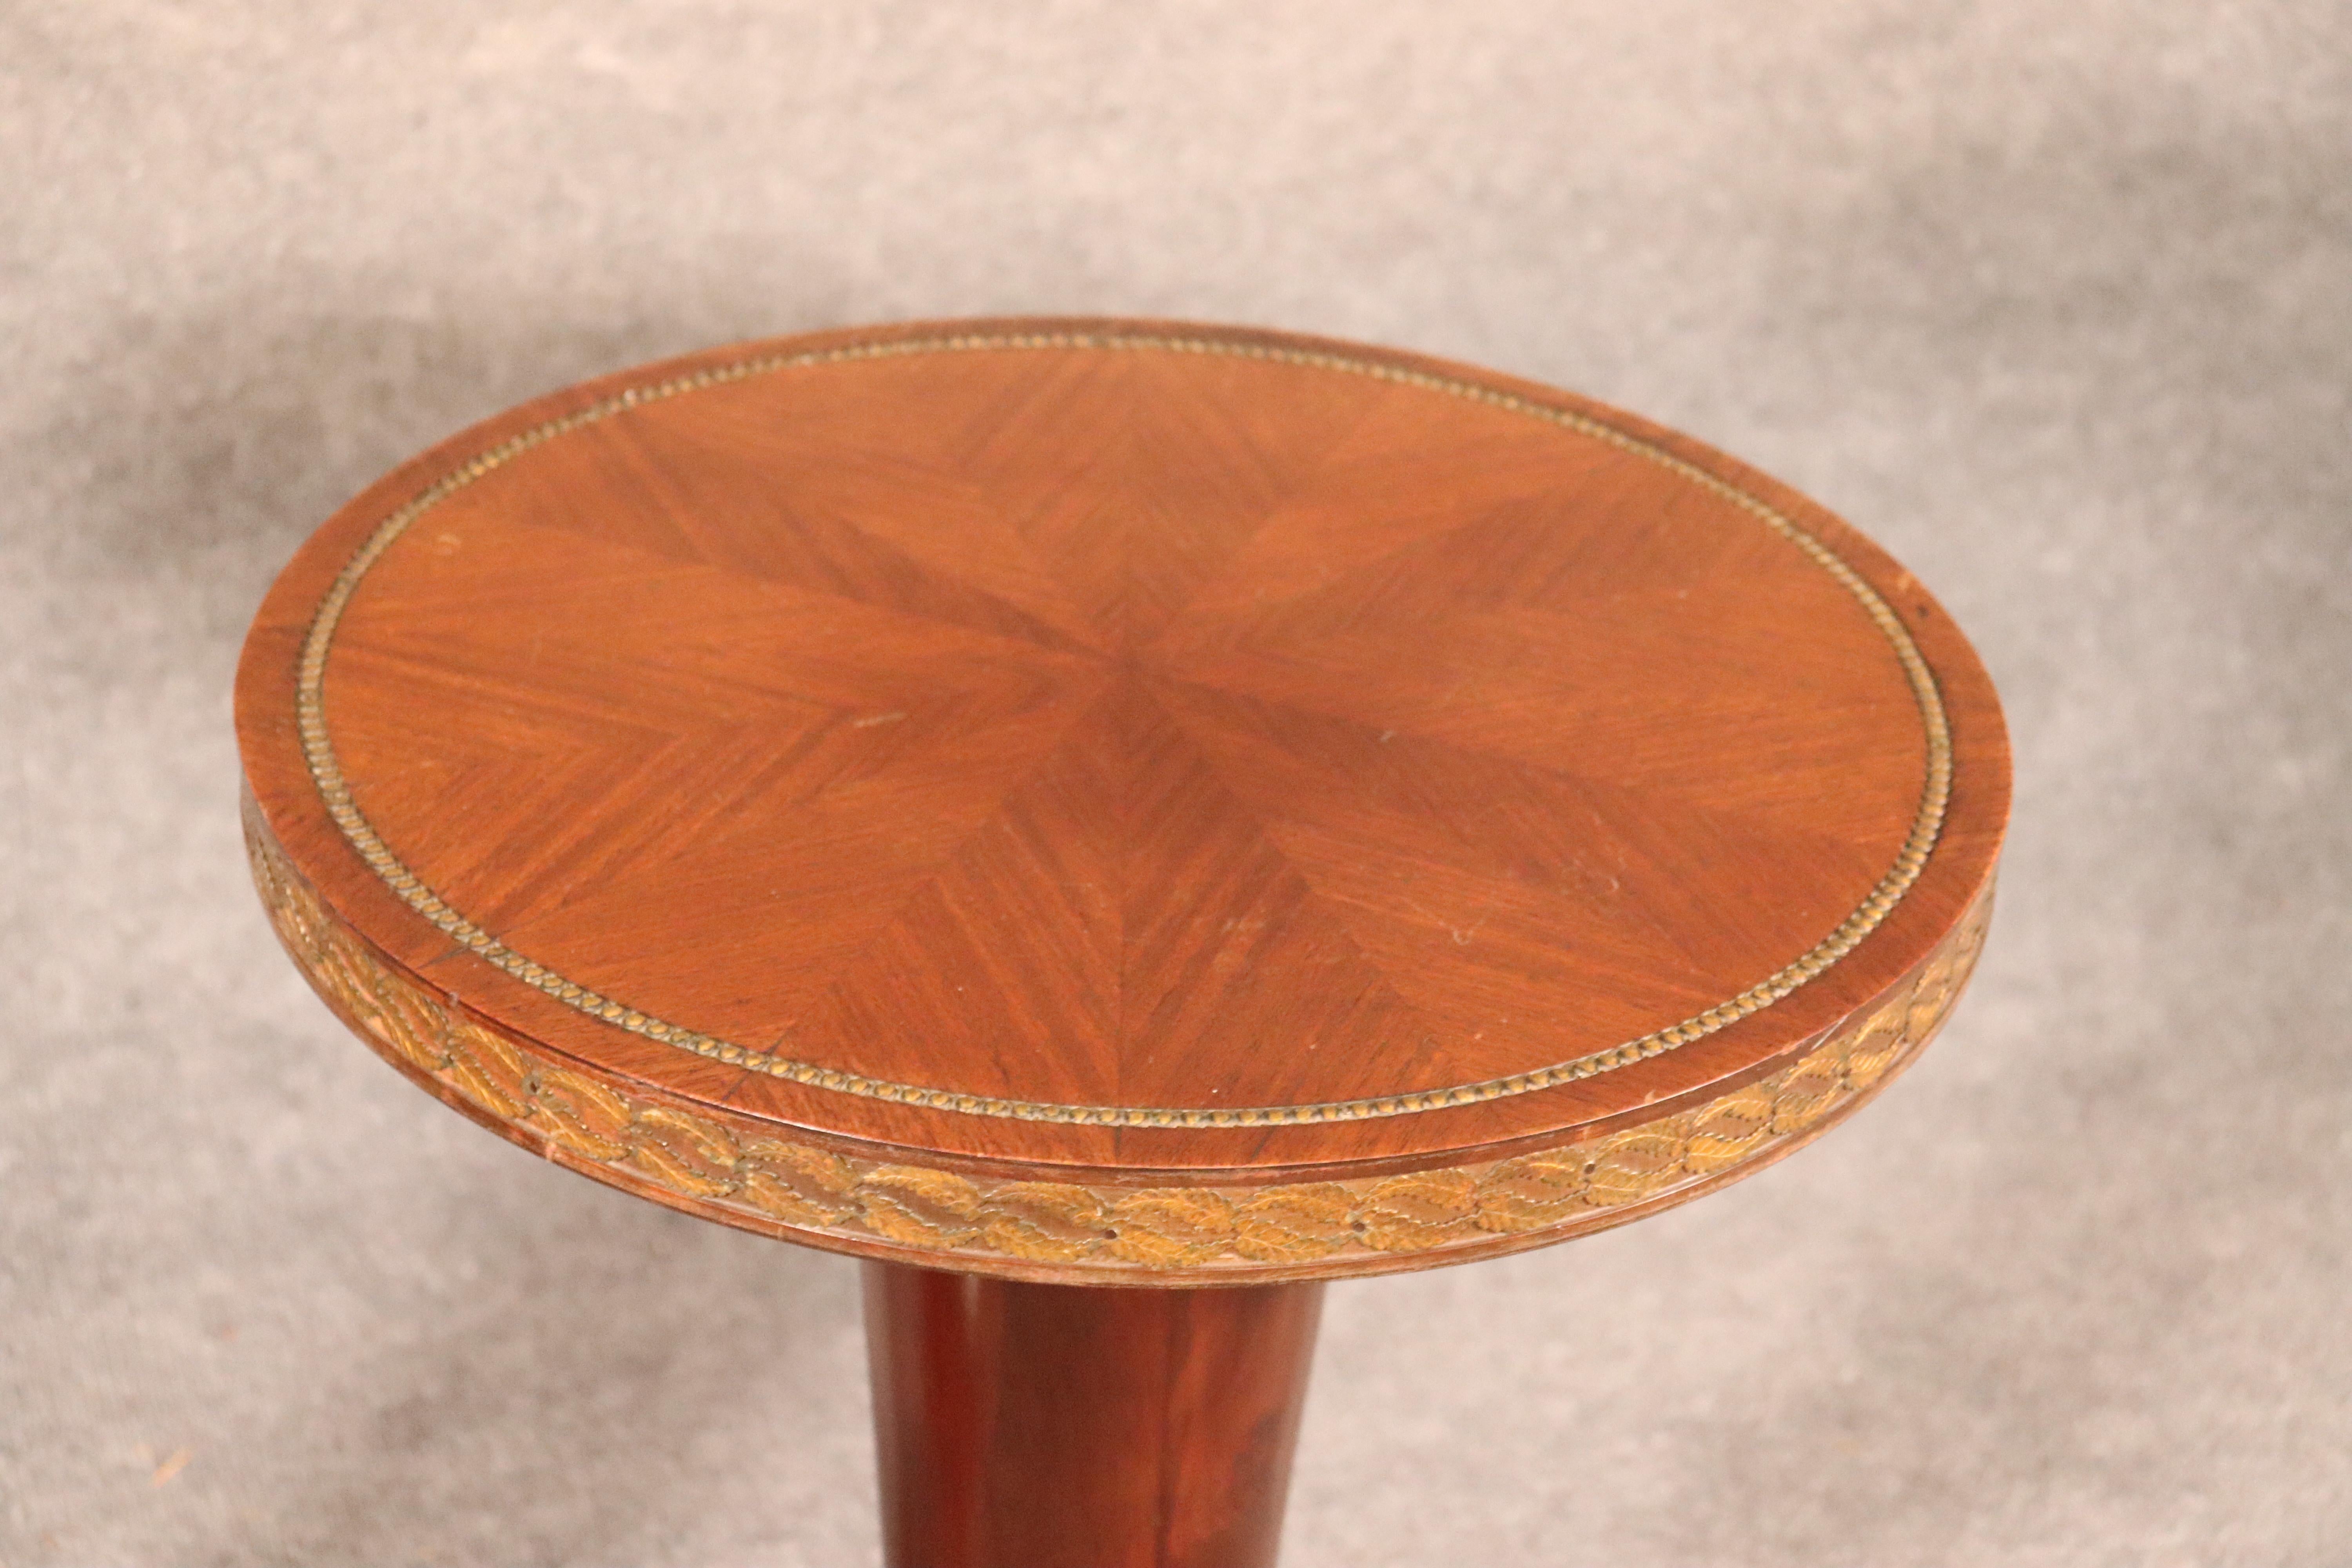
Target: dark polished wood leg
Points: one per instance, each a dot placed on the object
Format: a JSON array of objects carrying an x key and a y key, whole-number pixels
[{"x": 1060, "y": 1426}]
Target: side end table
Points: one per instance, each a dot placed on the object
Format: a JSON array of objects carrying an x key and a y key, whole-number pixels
[{"x": 1075, "y": 813}]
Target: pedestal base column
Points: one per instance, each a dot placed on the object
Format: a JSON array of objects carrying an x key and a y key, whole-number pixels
[{"x": 1025, "y": 1426}]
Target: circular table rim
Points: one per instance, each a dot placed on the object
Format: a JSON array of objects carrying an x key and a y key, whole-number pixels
[{"x": 325, "y": 769}]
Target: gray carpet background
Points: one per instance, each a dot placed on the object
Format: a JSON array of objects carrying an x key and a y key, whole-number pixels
[{"x": 2056, "y": 301}]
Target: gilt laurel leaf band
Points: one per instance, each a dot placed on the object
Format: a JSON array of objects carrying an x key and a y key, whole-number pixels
[
  {"x": 745, "y": 1174},
  {"x": 334, "y": 790}
]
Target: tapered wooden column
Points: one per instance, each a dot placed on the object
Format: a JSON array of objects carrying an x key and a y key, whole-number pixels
[{"x": 1022, "y": 1426}]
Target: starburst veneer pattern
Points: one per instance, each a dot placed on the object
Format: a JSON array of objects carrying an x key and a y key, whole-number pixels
[
  {"x": 1093, "y": 754},
  {"x": 327, "y": 770}
]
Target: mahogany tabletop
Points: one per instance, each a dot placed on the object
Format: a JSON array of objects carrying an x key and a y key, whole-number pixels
[{"x": 1119, "y": 802}]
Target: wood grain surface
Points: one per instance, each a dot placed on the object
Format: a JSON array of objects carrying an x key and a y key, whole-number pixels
[
  {"x": 1106, "y": 758},
  {"x": 1024, "y": 1425}
]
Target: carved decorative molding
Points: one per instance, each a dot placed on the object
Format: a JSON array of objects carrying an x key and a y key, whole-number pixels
[{"x": 745, "y": 1175}]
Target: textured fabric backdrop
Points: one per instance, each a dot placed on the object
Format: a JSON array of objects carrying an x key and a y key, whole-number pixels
[{"x": 2055, "y": 300}]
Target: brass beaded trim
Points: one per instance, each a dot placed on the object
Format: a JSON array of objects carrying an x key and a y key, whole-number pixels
[
  {"x": 326, "y": 772},
  {"x": 817, "y": 1195}
]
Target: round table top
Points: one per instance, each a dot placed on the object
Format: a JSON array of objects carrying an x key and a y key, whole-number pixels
[{"x": 1100, "y": 800}]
